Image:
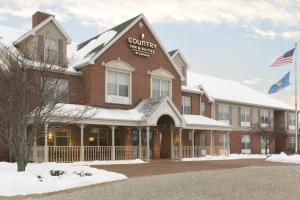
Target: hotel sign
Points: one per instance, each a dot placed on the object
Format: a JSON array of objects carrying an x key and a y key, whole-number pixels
[{"x": 141, "y": 47}]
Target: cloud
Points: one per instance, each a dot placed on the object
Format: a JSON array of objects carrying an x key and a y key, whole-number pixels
[
  {"x": 103, "y": 14},
  {"x": 291, "y": 35},
  {"x": 269, "y": 34}
]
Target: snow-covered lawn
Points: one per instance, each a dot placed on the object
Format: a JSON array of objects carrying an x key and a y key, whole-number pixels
[
  {"x": 114, "y": 162},
  {"x": 229, "y": 157},
  {"x": 282, "y": 157},
  {"x": 37, "y": 178}
]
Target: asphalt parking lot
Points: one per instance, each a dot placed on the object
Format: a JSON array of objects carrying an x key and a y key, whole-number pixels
[{"x": 240, "y": 179}]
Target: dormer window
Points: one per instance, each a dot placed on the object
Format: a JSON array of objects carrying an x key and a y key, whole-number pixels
[{"x": 51, "y": 50}]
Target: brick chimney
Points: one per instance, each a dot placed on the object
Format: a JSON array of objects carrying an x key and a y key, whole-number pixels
[{"x": 39, "y": 17}]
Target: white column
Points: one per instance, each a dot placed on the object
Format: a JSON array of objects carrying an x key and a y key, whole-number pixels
[
  {"x": 140, "y": 143},
  {"x": 172, "y": 143},
  {"x": 148, "y": 143},
  {"x": 211, "y": 142},
  {"x": 81, "y": 142},
  {"x": 113, "y": 143},
  {"x": 228, "y": 143},
  {"x": 193, "y": 143},
  {"x": 180, "y": 143},
  {"x": 46, "y": 150}
]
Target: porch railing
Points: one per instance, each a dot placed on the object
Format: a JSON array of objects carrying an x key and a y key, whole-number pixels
[
  {"x": 198, "y": 151},
  {"x": 91, "y": 153},
  {"x": 64, "y": 153}
]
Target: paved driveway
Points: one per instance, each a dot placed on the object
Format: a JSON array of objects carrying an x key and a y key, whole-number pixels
[
  {"x": 160, "y": 167},
  {"x": 229, "y": 180}
]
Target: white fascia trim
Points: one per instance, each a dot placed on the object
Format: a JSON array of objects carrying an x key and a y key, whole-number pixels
[
  {"x": 207, "y": 127},
  {"x": 182, "y": 56},
  {"x": 210, "y": 99},
  {"x": 255, "y": 105},
  {"x": 39, "y": 26},
  {"x": 163, "y": 48},
  {"x": 191, "y": 91},
  {"x": 92, "y": 60}
]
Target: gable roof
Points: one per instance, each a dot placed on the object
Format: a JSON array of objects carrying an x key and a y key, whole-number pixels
[
  {"x": 232, "y": 91},
  {"x": 102, "y": 44},
  {"x": 39, "y": 26},
  {"x": 176, "y": 52}
]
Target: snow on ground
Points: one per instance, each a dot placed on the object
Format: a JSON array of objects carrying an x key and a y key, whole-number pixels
[
  {"x": 23, "y": 183},
  {"x": 282, "y": 157},
  {"x": 230, "y": 157},
  {"x": 109, "y": 162}
]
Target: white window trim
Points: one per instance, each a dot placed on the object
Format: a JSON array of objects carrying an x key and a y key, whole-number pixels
[
  {"x": 54, "y": 135},
  {"x": 245, "y": 123},
  {"x": 118, "y": 97},
  {"x": 291, "y": 127},
  {"x": 45, "y": 38},
  {"x": 160, "y": 78},
  {"x": 202, "y": 103},
  {"x": 263, "y": 124},
  {"x": 183, "y": 111},
  {"x": 246, "y": 151},
  {"x": 222, "y": 120}
]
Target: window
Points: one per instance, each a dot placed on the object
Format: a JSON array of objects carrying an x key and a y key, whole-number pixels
[
  {"x": 160, "y": 88},
  {"x": 222, "y": 140},
  {"x": 291, "y": 143},
  {"x": 245, "y": 114},
  {"x": 190, "y": 138},
  {"x": 57, "y": 137},
  {"x": 203, "y": 140},
  {"x": 224, "y": 113},
  {"x": 186, "y": 105},
  {"x": 291, "y": 120},
  {"x": 246, "y": 142},
  {"x": 51, "y": 50},
  {"x": 98, "y": 137},
  {"x": 55, "y": 89},
  {"x": 264, "y": 118},
  {"x": 118, "y": 87},
  {"x": 202, "y": 108}
]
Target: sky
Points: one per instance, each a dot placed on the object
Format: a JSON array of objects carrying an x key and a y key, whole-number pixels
[{"x": 231, "y": 39}]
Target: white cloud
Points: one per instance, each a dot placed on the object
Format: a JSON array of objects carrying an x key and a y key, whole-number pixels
[
  {"x": 104, "y": 14},
  {"x": 108, "y": 13},
  {"x": 269, "y": 34}
]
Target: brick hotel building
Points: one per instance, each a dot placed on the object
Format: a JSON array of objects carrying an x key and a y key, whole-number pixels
[{"x": 149, "y": 104}]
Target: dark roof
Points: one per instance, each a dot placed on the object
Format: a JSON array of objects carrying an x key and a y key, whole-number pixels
[
  {"x": 119, "y": 28},
  {"x": 171, "y": 53}
]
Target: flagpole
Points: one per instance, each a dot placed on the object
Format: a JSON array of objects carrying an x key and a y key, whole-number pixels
[{"x": 296, "y": 110}]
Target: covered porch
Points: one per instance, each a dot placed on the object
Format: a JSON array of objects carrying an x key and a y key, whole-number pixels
[{"x": 159, "y": 132}]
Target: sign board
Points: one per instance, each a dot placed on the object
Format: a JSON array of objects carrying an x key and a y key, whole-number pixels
[{"x": 141, "y": 47}]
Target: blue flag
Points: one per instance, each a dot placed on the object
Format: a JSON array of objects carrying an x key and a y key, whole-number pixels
[{"x": 282, "y": 83}]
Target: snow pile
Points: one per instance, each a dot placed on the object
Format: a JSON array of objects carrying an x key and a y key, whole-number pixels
[
  {"x": 282, "y": 157},
  {"x": 110, "y": 162},
  {"x": 230, "y": 157},
  {"x": 23, "y": 183}
]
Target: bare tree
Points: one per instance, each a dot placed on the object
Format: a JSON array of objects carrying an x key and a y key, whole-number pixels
[
  {"x": 268, "y": 133},
  {"x": 31, "y": 94}
]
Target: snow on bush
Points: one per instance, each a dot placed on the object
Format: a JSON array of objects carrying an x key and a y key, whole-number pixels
[{"x": 38, "y": 179}]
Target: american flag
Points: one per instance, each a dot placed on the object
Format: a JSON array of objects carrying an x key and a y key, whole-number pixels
[{"x": 284, "y": 59}]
